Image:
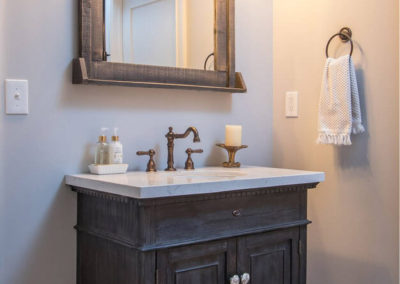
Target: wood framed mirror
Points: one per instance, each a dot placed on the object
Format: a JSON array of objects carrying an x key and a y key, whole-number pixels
[{"x": 139, "y": 68}]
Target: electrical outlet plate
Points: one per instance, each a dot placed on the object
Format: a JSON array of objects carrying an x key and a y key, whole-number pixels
[
  {"x": 292, "y": 104},
  {"x": 16, "y": 96}
]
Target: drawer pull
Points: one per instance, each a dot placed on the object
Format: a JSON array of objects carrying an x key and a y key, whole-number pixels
[{"x": 236, "y": 212}]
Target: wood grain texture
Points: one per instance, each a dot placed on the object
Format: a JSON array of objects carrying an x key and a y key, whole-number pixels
[
  {"x": 161, "y": 74},
  {"x": 203, "y": 238},
  {"x": 231, "y": 43},
  {"x": 161, "y": 223},
  {"x": 93, "y": 70},
  {"x": 221, "y": 36},
  {"x": 104, "y": 262},
  {"x": 97, "y": 33},
  {"x": 172, "y": 223},
  {"x": 85, "y": 34},
  {"x": 165, "y": 86},
  {"x": 80, "y": 72},
  {"x": 197, "y": 264},
  {"x": 271, "y": 258},
  {"x": 303, "y": 256}
]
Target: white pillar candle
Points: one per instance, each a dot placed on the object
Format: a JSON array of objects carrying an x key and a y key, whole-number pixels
[{"x": 233, "y": 135}]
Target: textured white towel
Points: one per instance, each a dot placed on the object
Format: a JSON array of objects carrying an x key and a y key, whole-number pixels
[{"x": 339, "y": 104}]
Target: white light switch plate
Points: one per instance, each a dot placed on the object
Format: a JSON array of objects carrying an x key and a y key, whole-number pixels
[
  {"x": 17, "y": 96},
  {"x": 292, "y": 109}
]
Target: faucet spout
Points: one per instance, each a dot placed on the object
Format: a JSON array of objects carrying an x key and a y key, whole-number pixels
[{"x": 196, "y": 137}]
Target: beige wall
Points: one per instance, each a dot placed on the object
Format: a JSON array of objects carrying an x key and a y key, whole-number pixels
[{"x": 354, "y": 235}]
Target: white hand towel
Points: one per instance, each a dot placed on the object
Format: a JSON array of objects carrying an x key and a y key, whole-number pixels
[{"x": 339, "y": 104}]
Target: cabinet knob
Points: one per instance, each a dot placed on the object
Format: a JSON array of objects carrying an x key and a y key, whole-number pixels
[
  {"x": 245, "y": 278},
  {"x": 236, "y": 212},
  {"x": 235, "y": 279}
]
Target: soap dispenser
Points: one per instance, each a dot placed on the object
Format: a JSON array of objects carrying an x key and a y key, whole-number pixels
[
  {"x": 115, "y": 149},
  {"x": 101, "y": 156}
]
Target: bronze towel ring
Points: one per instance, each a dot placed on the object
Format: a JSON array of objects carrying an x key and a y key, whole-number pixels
[{"x": 345, "y": 35}]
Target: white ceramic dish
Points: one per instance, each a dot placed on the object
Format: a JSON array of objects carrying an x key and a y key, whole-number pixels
[{"x": 108, "y": 169}]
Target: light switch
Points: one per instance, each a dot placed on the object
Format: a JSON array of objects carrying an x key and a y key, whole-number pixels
[
  {"x": 17, "y": 96},
  {"x": 292, "y": 104}
]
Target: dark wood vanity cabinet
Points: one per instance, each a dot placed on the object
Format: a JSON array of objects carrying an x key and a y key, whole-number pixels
[
  {"x": 271, "y": 257},
  {"x": 209, "y": 262},
  {"x": 193, "y": 239}
]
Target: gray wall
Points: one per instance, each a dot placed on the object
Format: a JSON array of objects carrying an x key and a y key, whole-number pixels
[
  {"x": 2, "y": 183},
  {"x": 354, "y": 235},
  {"x": 38, "y": 211}
]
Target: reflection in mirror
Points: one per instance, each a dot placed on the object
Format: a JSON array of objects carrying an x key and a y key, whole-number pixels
[{"x": 175, "y": 33}]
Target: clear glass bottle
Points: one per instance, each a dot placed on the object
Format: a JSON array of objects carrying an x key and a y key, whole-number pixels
[{"x": 101, "y": 155}]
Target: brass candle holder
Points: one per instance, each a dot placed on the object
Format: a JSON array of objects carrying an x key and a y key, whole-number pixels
[{"x": 231, "y": 155}]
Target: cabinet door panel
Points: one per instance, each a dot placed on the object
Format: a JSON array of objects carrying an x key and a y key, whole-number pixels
[
  {"x": 210, "y": 263},
  {"x": 270, "y": 258}
]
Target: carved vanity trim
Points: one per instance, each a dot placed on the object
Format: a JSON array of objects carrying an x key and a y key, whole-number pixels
[{"x": 149, "y": 234}]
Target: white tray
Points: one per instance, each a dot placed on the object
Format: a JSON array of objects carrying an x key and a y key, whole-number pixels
[{"x": 108, "y": 169}]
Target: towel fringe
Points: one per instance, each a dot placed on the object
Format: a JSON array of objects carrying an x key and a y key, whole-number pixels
[
  {"x": 337, "y": 139},
  {"x": 357, "y": 128}
]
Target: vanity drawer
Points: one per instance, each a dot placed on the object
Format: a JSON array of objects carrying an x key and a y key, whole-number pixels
[
  {"x": 150, "y": 224},
  {"x": 196, "y": 218}
]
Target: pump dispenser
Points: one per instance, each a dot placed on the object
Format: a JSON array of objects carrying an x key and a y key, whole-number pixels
[
  {"x": 115, "y": 137},
  {"x": 115, "y": 149},
  {"x": 101, "y": 156}
]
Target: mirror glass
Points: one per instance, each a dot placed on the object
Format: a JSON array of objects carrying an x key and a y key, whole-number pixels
[{"x": 175, "y": 33}]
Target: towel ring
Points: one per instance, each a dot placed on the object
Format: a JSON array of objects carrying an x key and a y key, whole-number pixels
[{"x": 345, "y": 35}]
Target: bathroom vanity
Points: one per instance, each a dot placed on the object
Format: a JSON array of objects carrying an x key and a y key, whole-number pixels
[{"x": 193, "y": 227}]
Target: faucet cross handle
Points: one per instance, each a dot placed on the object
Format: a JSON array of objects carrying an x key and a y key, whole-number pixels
[
  {"x": 189, "y": 165},
  {"x": 151, "y": 165}
]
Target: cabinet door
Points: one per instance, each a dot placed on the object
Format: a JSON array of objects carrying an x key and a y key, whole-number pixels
[
  {"x": 270, "y": 258},
  {"x": 206, "y": 263}
]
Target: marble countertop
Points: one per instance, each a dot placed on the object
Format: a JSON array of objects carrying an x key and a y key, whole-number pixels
[{"x": 142, "y": 185}]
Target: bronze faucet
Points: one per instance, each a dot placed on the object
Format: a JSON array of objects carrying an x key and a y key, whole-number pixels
[
  {"x": 189, "y": 165},
  {"x": 171, "y": 136},
  {"x": 151, "y": 165}
]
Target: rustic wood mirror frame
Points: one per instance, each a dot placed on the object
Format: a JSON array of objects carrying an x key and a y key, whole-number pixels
[{"x": 91, "y": 68}]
